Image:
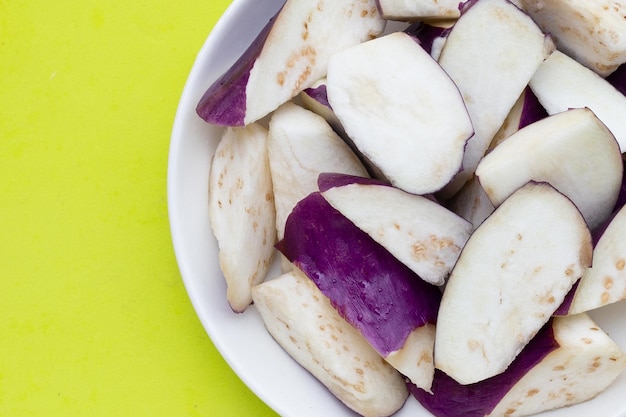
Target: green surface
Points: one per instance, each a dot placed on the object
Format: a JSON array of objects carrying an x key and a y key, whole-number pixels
[{"x": 94, "y": 318}]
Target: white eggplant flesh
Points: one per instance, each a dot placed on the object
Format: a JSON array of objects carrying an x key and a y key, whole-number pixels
[
  {"x": 288, "y": 56},
  {"x": 511, "y": 47},
  {"x": 583, "y": 365},
  {"x": 407, "y": 10},
  {"x": 561, "y": 83},
  {"x": 241, "y": 210},
  {"x": 415, "y": 358},
  {"x": 605, "y": 282},
  {"x": 589, "y": 31},
  {"x": 471, "y": 203},
  {"x": 512, "y": 274},
  {"x": 301, "y": 146},
  {"x": 420, "y": 233},
  {"x": 572, "y": 150},
  {"x": 301, "y": 319},
  {"x": 401, "y": 110}
]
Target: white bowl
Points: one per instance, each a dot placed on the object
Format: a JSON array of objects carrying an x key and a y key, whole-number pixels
[{"x": 241, "y": 338}]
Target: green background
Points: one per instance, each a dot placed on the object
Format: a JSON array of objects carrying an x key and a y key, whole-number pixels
[{"x": 94, "y": 318}]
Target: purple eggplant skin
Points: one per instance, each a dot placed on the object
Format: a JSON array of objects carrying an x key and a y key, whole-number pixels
[
  {"x": 618, "y": 79},
  {"x": 532, "y": 110},
  {"x": 563, "y": 309},
  {"x": 426, "y": 34},
  {"x": 319, "y": 94},
  {"x": 328, "y": 180},
  {"x": 224, "y": 102},
  {"x": 451, "y": 399},
  {"x": 367, "y": 285},
  {"x": 465, "y": 6}
]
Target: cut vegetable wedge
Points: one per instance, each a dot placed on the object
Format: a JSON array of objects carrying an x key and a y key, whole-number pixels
[
  {"x": 413, "y": 124},
  {"x": 513, "y": 273},
  {"x": 391, "y": 307},
  {"x": 591, "y": 32},
  {"x": 241, "y": 210},
  {"x": 300, "y": 318},
  {"x": 289, "y": 55},
  {"x": 301, "y": 146},
  {"x": 569, "y": 361},
  {"x": 561, "y": 83},
  {"x": 491, "y": 53},
  {"x": 573, "y": 151},
  {"x": 418, "y": 231}
]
